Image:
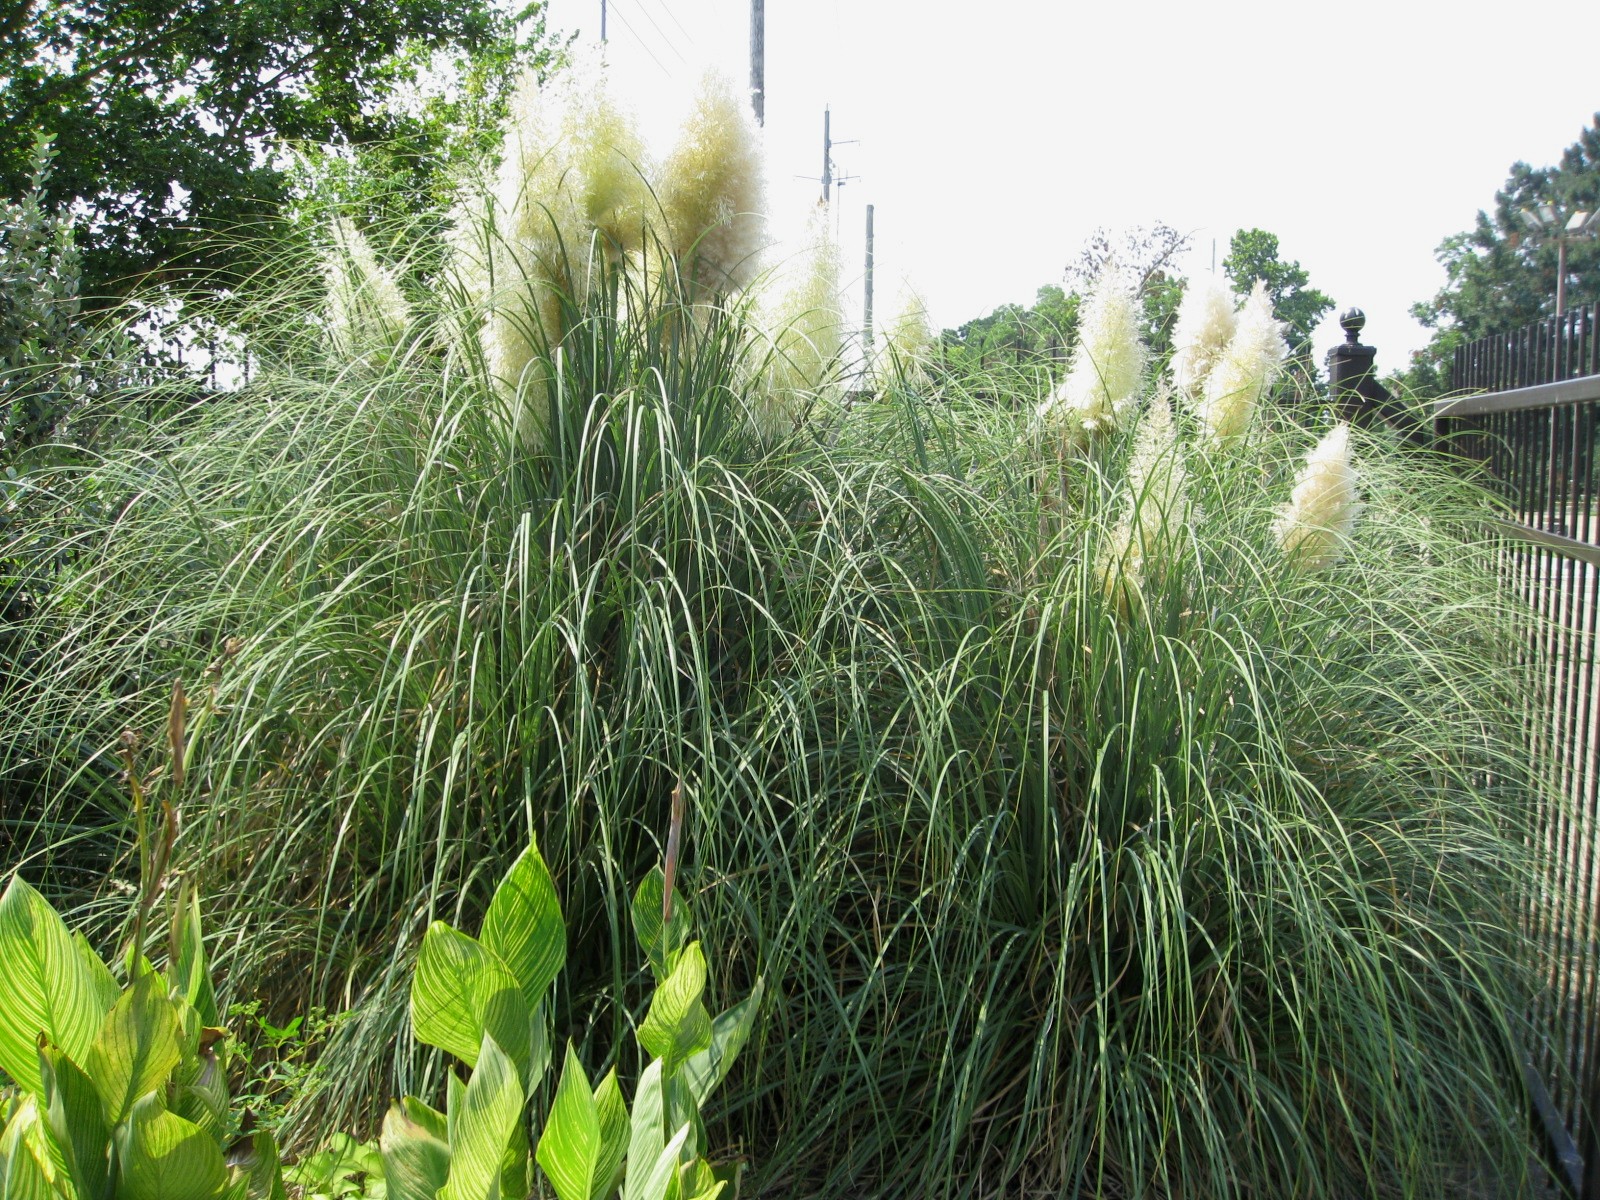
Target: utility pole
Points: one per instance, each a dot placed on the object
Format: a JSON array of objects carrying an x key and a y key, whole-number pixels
[
  {"x": 866, "y": 324},
  {"x": 602, "y": 20},
  {"x": 827, "y": 156},
  {"x": 758, "y": 60}
]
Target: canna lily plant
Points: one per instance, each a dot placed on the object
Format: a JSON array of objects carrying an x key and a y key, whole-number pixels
[
  {"x": 484, "y": 1000},
  {"x": 121, "y": 1091}
]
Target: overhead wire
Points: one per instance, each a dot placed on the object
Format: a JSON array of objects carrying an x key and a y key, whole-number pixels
[
  {"x": 644, "y": 45},
  {"x": 667, "y": 40}
]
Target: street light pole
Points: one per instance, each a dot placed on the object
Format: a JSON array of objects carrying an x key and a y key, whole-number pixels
[{"x": 1545, "y": 222}]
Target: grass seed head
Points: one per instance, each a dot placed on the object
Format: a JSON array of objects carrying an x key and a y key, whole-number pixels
[
  {"x": 1314, "y": 528},
  {"x": 711, "y": 191},
  {"x": 1245, "y": 371}
]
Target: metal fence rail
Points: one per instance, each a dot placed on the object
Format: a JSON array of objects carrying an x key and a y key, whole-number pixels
[{"x": 1534, "y": 433}]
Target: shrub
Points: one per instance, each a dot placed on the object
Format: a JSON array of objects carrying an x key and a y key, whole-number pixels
[{"x": 1091, "y": 843}]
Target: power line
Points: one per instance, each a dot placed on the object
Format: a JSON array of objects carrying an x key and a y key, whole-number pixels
[
  {"x": 679, "y": 24},
  {"x": 644, "y": 45},
  {"x": 664, "y": 38}
]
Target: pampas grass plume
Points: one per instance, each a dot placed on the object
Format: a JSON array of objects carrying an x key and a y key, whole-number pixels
[
  {"x": 1107, "y": 368},
  {"x": 711, "y": 191},
  {"x": 806, "y": 330},
  {"x": 1245, "y": 370},
  {"x": 365, "y": 304},
  {"x": 1157, "y": 503},
  {"x": 1314, "y": 528},
  {"x": 1206, "y": 324}
]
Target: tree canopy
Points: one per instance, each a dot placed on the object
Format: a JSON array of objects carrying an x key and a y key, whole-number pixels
[
  {"x": 1498, "y": 275},
  {"x": 168, "y": 115},
  {"x": 1253, "y": 254}
]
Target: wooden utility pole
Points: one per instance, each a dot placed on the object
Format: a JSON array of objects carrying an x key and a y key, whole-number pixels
[
  {"x": 866, "y": 324},
  {"x": 758, "y": 60},
  {"x": 827, "y": 156}
]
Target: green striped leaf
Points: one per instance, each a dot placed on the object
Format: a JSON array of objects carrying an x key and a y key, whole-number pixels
[
  {"x": 76, "y": 1117},
  {"x": 660, "y": 1181},
  {"x": 703, "y": 1071},
  {"x": 524, "y": 929},
  {"x": 678, "y": 1025},
  {"x": 47, "y": 986},
  {"x": 612, "y": 1111},
  {"x": 486, "y": 1117},
  {"x": 160, "y": 1156},
  {"x": 25, "y": 1160},
  {"x": 416, "y": 1156},
  {"x": 647, "y": 1134},
  {"x": 569, "y": 1148},
  {"x": 462, "y": 991},
  {"x": 190, "y": 975},
  {"x": 136, "y": 1049},
  {"x": 659, "y": 940}
]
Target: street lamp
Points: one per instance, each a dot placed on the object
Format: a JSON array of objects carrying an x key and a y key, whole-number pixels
[{"x": 1544, "y": 221}]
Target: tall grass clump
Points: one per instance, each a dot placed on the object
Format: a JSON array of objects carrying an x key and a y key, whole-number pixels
[{"x": 1110, "y": 808}]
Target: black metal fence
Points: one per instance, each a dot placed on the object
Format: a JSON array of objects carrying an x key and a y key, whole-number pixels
[{"x": 1533, "y": 427}]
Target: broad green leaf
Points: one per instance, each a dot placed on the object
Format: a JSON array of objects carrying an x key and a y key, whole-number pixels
[
  {"x": 706, "y": 1069},
  {"x": 490, "y": 1109},
  {"x": 460, "y": 992},
  {"x": 516, "y": 1164},
  {"x": 698, "y": 1181},
  {"x": 455, "y": 1097},
  {"x": 204, "y": 1100},
  {"x": 104, "y": 983},
  {"x": 678, "y": 1025},
  {"x": 647, "y": 1134},
  {"x": 332, "y": 1169},
  {"x": 660, "y": 1182},
  {"x": 682, "y": 1110},
  {"x": 190, "y": 975},
  {"x": 659, "y": 941},
  {"x": 46, "y": 986},
  {"x": 136, "y": 1049},
  {"x": 74, "y": 1112},
  {"x": 524, "y": 928},
  {"x": 416, "y": 1157},
  {"x": 538, "y": 1048},
  {"x": 258, "y": 1172},
  {"x": 25, "y": 1166},
  {"x": 429, "y": 1118},
  {"x": 160, "y": 1156},
  {"x": 569, "y": 1148},
  {"x": 612, "y": 1111}
]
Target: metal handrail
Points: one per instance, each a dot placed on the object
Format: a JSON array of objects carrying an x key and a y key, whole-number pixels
[{"x": 1540, "y": 395}]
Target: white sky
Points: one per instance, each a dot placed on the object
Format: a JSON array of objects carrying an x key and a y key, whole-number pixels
[{"x": 994, "y": 137}]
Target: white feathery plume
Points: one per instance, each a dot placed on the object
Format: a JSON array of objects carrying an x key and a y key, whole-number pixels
[
  {"x": 1107, "y": 367},
  {"x": 711, "y": 191},
  {"x": 1206, "y": 324},
  {"x": 365, "y": 304},
  {"x": 569, "y": 199},
  {"x": 1246, "y": 369},
  {"x": 907, "y": 340},
  {"x": 1314, "y": 528},
  {"x": 806, "y": 328},
  {"x": 1157, "y": 504}
]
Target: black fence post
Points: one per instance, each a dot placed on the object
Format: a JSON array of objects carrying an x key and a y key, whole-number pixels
[
  {"x": 1353, "y": 386},
  {"x": 1355, "y": 393}
]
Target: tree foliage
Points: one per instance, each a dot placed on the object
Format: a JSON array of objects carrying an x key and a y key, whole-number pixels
[
  {"x": 169, "y": 115},
  {"x": 1499, "y": 276},
  {"x": 41, "y": 336},
  {"x": 1048, "y": 329},
  {"x": 1254, "y": 254}
]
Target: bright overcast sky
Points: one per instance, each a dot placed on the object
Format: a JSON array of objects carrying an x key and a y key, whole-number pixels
[{"x": 994, "y": 137}]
